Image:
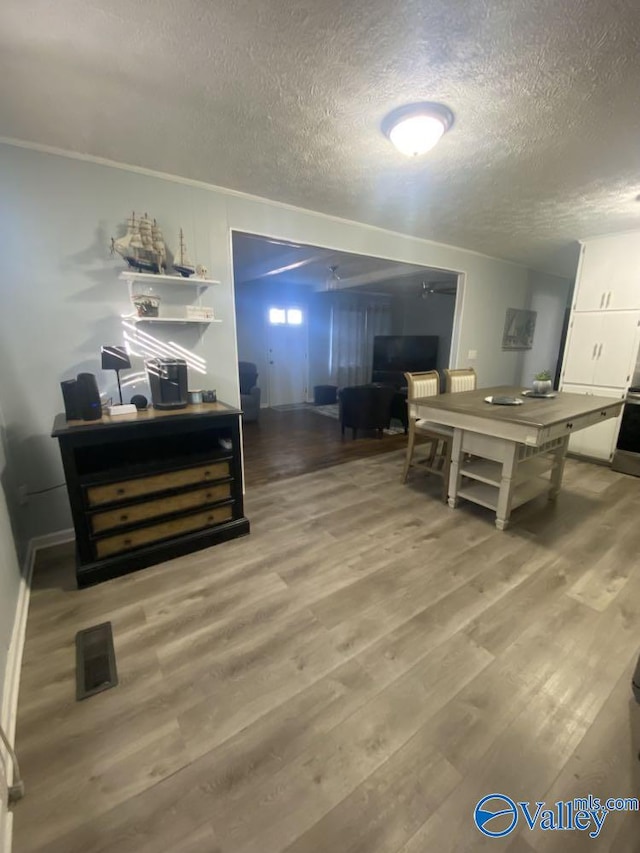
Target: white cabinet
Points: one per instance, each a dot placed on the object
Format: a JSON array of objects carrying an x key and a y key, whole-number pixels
[
  {"x": 582, "y": 348},
  {"x": 609, "y": 274},
  {"x": 599, "y": 441},
  {"x": 601, "y": 348}
]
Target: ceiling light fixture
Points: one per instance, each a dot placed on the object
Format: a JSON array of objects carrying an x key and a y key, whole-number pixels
[{"x": 415, "y": 128}]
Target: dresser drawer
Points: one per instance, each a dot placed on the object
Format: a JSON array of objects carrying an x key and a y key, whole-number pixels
[
  {"x": 145, "y": 535},
  {"x": 107, "y": 520},
  {"x": 126, "y": 489}
]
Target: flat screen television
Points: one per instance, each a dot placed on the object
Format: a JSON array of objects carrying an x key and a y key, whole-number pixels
[{"x": 395, "y": 355}]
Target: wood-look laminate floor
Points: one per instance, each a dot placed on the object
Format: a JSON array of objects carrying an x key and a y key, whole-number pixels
[
  {"x": 285, "y": 444},
  {"x": 353, "y": 676}
]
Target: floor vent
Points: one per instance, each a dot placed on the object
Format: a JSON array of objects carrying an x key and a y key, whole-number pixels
[{"x": 95, "y": 661}]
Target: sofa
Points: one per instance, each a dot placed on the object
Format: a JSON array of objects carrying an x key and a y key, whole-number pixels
[
  {"x": 249, "y": 391},
  {"x": 366, "y": 407}
]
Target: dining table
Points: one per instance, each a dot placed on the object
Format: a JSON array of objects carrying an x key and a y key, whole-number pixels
[{"x": 503, "y": 456}]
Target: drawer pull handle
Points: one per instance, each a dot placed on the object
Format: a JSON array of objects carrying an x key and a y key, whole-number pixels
[
  {"x": 124, "y": 517},
  {"x": 126, "y": 541},
  {"x": 569, "y": 426},
  {"x": 211, "y": 518},
  {"x": 120, "y": 491},
  {"x": 208, "y": 495},
  {"x": 207, "y": 473}
]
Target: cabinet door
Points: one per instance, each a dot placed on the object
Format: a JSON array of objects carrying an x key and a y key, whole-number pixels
[
  {"x": 617, "y": 349},
  {"x": 609, "y": 278},
  {"x": 594, "y": 277},
  {"x": 599, "y": 441},
  {"x": 582, "y": 348}
]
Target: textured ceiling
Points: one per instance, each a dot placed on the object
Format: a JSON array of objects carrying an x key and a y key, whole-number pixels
[{"x": 284, "y": 100}]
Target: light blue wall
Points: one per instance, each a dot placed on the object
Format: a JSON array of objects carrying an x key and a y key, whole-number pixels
[
  {"x": 431, "y": 316},
  {"x": 549, "y": 297},
  {"x": 9, "y": 571}
]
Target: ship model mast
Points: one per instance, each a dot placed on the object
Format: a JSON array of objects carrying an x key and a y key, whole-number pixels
[{"x": 181, "y": 261}]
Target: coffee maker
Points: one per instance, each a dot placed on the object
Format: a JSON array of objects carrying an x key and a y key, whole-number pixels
[{"x": 168, "y": 381}]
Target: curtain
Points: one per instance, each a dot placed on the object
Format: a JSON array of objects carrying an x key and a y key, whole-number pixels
[{"x": 354, "y": 324}]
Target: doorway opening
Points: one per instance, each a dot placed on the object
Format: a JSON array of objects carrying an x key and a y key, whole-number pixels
[{"x": 307, "y": 321}]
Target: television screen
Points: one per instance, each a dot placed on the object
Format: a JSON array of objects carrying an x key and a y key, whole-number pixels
[{"x": 394, "y": 355}]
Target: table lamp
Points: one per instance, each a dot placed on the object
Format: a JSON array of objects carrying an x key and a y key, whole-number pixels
[{"x": 117, "y": 358}]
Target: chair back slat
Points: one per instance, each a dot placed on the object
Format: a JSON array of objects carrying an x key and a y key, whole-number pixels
[
  {"x": 463, "y": 379},
  {"x": 426, "y": 384}
]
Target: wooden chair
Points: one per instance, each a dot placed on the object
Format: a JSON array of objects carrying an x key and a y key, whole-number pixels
[
  {"x": 427, "y": 385},
  {"x": 463, "y": 379}
]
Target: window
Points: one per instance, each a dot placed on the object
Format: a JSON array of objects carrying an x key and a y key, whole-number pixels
[{"x": 288, "y": 316}]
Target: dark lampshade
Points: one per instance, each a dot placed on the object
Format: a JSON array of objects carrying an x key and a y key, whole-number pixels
[{"x": 115, "y": 358}]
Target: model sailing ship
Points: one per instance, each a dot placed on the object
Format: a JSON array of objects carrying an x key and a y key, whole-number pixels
[
  {"x": 181, "y": 261},
  {"x": 142, "y": 247}
]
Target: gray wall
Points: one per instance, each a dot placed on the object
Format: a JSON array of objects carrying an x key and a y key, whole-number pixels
[
  {"x": 549, "y": 296},
  {"x": 9, "y": 569},
  {"x": 413, "y": 315}
]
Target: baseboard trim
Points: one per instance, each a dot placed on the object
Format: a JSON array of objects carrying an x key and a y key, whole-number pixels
[{"x": 9, "y": 711}]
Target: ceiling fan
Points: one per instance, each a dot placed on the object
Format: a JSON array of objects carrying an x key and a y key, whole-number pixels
[
  {"x": 437, "y": 288},
  {"x": 333, "y": 278}
]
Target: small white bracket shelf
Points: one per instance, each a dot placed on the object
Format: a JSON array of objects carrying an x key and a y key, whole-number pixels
[
  {"x": 193, "y": 284},
  {"x": 176, "y": 320},
  {"x": 151, "y": 278}
]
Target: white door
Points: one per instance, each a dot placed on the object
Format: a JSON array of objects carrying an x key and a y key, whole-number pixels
[
  {"x": 599, "y": 441},
  {"x": 287, "y": 359},
  {"x": 610, "y": 274},
  {"x": 594, "y": 278},
  {"x": 582, "y": 349},
  {"x": 617, "y": 349}
]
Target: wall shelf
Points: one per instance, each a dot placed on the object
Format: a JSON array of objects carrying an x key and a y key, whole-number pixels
[
  {"x": 175, "y": 320},
  {"x": 153, "y": 278}
]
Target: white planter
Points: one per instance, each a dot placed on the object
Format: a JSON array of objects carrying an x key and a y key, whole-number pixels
[{"x": 542, "y": 386}]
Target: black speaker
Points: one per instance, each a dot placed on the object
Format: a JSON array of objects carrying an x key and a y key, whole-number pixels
[
  {"x": 88, "y": 397},
  {"x": 70, "y": 396},
  {"x": 139, "y": 401}
]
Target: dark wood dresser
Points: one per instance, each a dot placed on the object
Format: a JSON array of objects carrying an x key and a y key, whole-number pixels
[{"x": 151, "y": 486}]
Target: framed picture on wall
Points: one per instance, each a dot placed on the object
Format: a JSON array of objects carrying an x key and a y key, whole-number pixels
[{"x": 519, "y": 326}]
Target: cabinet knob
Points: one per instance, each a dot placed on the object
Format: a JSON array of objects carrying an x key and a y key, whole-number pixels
[
  {"x": 120, "y": 491},
  {"x": 210, "y": 518},
  {"x": 207, "y": 473},
  {"x": 127, "y": 541},
  {"x": 124, "y": 517},
  {"x": 569, "y": 426}
]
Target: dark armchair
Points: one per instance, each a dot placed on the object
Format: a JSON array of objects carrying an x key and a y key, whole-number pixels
[
  {"x": 366, "y": 407},
  {"x": 249, "y": 391}
]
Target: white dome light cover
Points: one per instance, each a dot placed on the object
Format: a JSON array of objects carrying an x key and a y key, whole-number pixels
[{"x": 415, "y": 128}]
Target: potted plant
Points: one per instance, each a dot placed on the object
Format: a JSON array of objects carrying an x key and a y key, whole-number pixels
[{"x": 542, "y": 383}]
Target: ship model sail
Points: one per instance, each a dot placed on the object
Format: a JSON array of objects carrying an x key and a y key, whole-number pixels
[
  {"x": 142, "y": 247},
  {"x": 181, "y": 260}
]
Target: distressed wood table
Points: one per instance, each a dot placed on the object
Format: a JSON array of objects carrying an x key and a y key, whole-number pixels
[{"x": 504, "y": 456}]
